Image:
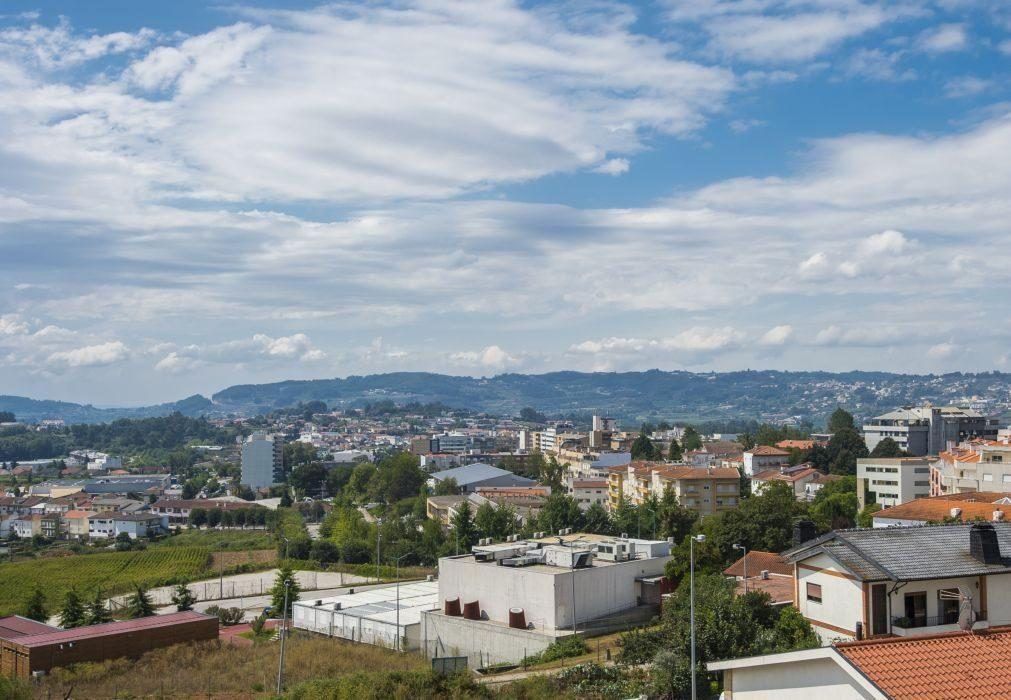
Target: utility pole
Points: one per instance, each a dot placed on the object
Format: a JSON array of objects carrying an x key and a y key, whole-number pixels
[
  {"x": 695, "y": 538},
  {"x": 744, "y": 554},
  {"x": 398, "y": 598},
  {"x": 379, "y": 537},
  {"x": 284, "y": 635}
]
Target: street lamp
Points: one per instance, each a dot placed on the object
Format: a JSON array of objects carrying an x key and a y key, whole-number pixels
[
  {"x": 379, "y": 537},
  {"x": 284, "y": 635},
  {"x": 398, "y": 598},
  {"x": 691, "y": 574},
  {"x": 286, "y": 543},
  {"x": 744, "y": 554}
]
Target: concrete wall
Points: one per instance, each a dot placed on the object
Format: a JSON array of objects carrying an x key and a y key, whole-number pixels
[
  {"x": 482, "y": 642},
  {"x": 799, "y": 680}
]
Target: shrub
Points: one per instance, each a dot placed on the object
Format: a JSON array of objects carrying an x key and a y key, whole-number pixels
[
  {"x": 226, "y": 616},
  {"x": 564, "y": 648}
]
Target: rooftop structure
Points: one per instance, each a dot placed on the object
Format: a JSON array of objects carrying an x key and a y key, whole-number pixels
[
  {"x": 923, "y": 430},
  {"x": 476, "y": 475}
]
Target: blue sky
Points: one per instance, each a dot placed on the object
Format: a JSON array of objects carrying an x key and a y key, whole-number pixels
[{"x": 196, "y": 194}]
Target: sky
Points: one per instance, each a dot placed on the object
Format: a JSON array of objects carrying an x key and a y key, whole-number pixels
[{"x": 200, "y": 194}]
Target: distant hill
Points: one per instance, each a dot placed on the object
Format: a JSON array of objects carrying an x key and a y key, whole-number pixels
[
  {"x": 639, "y": 395},
  {"x": 34, "y": 410},
  {"x": 630, "y": 396}
]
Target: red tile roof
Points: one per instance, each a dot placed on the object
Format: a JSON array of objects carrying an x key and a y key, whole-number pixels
[
  {"x": 767, "y": 451},
  {"x": 953, "y": 666},
  {"x": 971, "y": 506},
  {"x": 758, "y": 562},
  {"x": 797, "y": 444},
  {"x": 779, "y": 588}
]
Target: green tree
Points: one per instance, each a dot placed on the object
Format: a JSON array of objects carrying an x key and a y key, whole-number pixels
[
  {"x": 597, "y": 520},
  {"x": 835, "y": 511},
  {"x": 691, "y": 440},
  {"x": 447, "y": 487},
  {"x": 35, "y": 608},
  {"x": 865, "y": 518},
  {"x": 97, "y": 613},
  {"x": 285, "y": 502},
  {"x": 843, "y": 451},
  {"x": 888, "y": 448},
  {"x": 72, "y": 614},
  {"x": 198, "y": 517},
  {"x": 841, "y": 419},
  {"x": 139, "y": 604},
  {"x": 464, "y": 531},
  {"x": 552, "y": 473},
  {"x": 530, "y": 415},
  {"x": 643, "y": 447},
  {"x": 559, "y": 511},
  {"x": 183, "y": 598},
  {"x": 277, "y": 591},
  {"x": 674, "y": 453},
  {"x": 308, "y": 479},
  {"x": 673, "y": 519}
]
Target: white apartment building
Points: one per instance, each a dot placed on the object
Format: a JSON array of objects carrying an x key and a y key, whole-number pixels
[
  {"x": 923, "y": 430},
  {"x": 892, "y": 481},
  {"x": 262, "y": 460},
  {"x": 974, "y": 466},
  {"x": 763, "y": 458},
  {"x": 589, "y": 492}
]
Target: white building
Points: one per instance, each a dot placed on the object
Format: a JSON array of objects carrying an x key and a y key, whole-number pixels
[
  {"x": 376, "y": 616},
  {"x": 588, "y": 492},
  {"x": 923, "y": 430},
  {"x": 763, "y": 458},
  {"x": 904, "y": 581},
  {"x": 505, "y": 601},
  {"x": 262, "y": 460},
  {"x": 954, "y": 666},
  {"x": 891, "y": 481}
]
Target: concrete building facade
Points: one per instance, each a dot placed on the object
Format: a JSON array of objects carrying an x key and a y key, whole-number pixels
[
  {"x": 892, "y": 481},
  {"x": 262, "y": 460}
]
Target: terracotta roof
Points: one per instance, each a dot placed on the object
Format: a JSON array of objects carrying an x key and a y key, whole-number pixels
[
  {"x": 589, "y": 484},
  {"x": 949, "y": 666},
  {"x": 759, "y": 561},
  {"x": 767, "y": 451},
  {"x": 795, "y": 475},
  {"x": 779, "y": 588},
  {"x": 796, "y": 444},
  {"x": 936, "y": 509},
  {"x": 676, "y": 473}
]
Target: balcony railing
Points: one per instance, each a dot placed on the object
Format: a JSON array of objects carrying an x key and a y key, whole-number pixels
[{"x": 908, "y": 623}]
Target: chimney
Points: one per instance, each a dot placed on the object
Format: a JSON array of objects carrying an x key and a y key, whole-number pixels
[
  {"x": 983, "y": 544},
  {"x": 956, "y": 512},
  {"x": 803, "y": 530},
  {"x": 998, "y": 515},
  {"x": 765, "y": 574}
]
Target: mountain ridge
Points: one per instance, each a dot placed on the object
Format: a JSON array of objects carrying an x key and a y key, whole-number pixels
[{"x": 677, "y": 395}]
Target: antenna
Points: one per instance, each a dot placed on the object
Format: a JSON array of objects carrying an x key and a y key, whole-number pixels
[{"x": 966, "y": 615}]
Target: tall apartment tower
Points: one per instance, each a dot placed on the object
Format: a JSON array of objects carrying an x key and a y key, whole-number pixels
[{"x": 262, "y": 460}]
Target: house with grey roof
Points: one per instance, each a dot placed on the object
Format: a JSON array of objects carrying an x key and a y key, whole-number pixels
[
  {"x": 904, "y": 581},
  {"x": 474, "y": 476}
]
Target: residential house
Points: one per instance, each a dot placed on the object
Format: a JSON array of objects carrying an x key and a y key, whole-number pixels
[
  {"x": 763, "y": 457},
  {"x": 76, "y": 522},
  {"x": 891, "y": 481},
  {"x": 115, "y": 504},
  {"x": 904, "y": 580},
  {"x": 588, "y": 492},
  {"x": 798, "y": 478},
  {"x": 952, "y": 665},
  {"x": 177, "y": 510},
  {"x": 964, "y": 507}
]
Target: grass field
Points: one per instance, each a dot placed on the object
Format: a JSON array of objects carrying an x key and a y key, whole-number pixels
[
  {"x": 113, "y": 572},
  {"x": 212, "y": 669}
]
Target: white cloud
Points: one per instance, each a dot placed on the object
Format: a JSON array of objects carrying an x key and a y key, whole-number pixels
[
  {"x": 12, "y": 324},
  {"x": 967, "y": 86},
  {"x": 942, "y": 351},
  {"x": 876, "y": 64},
  {"x": 59, "y": 47},
  {"x": 943, "y": 39},
  {"x": 776, "y": 336},
  {"x": 697, "y": 339},
  {"x": 492, "y": 357},
  {"x": 613, "y": 166},
  {"x": 91, "y": 355},
  {"x": 296, "y": 348},
  {"x": 741, "y": 126}
]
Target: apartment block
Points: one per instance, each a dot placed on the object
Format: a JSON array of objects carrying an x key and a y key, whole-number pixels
[{"x": 892, "y": 481}]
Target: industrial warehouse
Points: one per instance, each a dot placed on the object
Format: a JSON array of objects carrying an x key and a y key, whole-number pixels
[
  {"x": 30, "y": 648},
  {"x": 386, "y": 617},
  {"x": 505, "y": 600}
]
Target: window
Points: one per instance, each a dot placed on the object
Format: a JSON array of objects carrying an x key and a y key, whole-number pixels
[
  {"x": 988, "y": 477},
  {"x": 814, "y": 592},
  {"x": 1006, "y": 478},
  {"x": 922, "y": 470},
  {"x": 948, "y": 605},
  {"x": 921, "y": 483}
]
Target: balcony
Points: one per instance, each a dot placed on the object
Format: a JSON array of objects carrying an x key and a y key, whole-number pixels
[{"x": 910, "y": 627}]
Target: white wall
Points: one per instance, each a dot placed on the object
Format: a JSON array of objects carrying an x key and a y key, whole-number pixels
[
  {"x": 842, "y": 598},
  {"x": 800, "y": 680}
]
